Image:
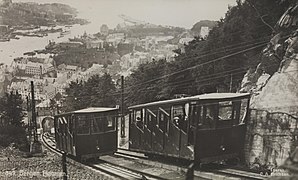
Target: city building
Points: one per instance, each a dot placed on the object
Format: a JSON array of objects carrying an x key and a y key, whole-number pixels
[
  {"x": 132, "y": 60},
  {"x": 67, "y": 68},
  {"x": 115, "y": 38},
  {"x": 94, "y": 44},
  {"x": 33, "y": 68},
  {"x": 43, "y": 108},
  {"x": 72, "y": 44},
  {"x": 204, "y": 31},
  {"x": 64, "y": 16},
  {"x": 3, "y": 29},
  {"x": 104, "y": 29},
  {"x": 71, "y": 68},
  {"x": 49, "y": 91}
]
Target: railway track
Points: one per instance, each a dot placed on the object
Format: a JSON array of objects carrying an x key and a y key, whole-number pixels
[
  {"x": 112, "y": 169},
  {"x": 125, "y": 172},
  {"x": 130, "y": 154},
  {"x": 241, "y": 174},
  {"x": 49, "y": 143},
  {"x": 121, "y": 172},
  {"x": 229, "y": 173}
]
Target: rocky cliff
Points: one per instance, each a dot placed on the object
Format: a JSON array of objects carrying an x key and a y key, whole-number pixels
[
  {"x": 274, "y": 83},
  {"x": 273, "y": 129}
]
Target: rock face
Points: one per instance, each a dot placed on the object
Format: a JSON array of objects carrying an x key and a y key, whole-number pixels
[
  {"x": 281, "y": 91},
  {"x": 273, "y": 130}
]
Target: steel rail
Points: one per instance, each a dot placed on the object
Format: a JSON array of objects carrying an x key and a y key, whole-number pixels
[
  {"x": 143, "y": 174},
  {"x": 241, "y": 174},
  {"x": 229, "y": 171},
  {"x": 105, "y": 166}
]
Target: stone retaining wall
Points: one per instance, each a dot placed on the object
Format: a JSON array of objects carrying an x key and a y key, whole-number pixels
[{"x": 271, "y": 137}]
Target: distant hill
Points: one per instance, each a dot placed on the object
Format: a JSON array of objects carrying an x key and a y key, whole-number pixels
[
  {"x": 196, "y": 29},
  {"x": 20, "y": 14}
]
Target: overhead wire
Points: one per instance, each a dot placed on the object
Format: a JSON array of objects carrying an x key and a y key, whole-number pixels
[
  {"x": 216, "y": 52},
  {"x": 236, "y": 44},
  {"x": 201, "y": 64},
  {"x": 219, "y": 75},
  {"x": 191, "y": 67},
  {"x": 260, "y": 44},
  {"x": 143, "y": 83},
  {"x": 238, "y": 79},
  {"x": 217, "y": 59},
  {"x": 196, "y": 66}
]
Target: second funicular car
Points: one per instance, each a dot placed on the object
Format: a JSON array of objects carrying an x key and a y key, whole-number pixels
[{"x": 87, "y": 133}]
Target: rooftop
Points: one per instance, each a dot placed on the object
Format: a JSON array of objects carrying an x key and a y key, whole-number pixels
[
  {"x": 45, "y": 103},
  {"x": 71, "y": 67}
]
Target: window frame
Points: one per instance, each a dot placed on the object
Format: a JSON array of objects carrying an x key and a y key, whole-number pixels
[
  {"x": 103, "y": 124},
  {"x": 232, "y": 108},
  {"x": 182, "y": 105},
  {"x": 207, "y": 124},
  {"x": 138, "y": 113},
  {"x": 113, "y": 127},
  {"x": 86, "y": 120},
  {"x": 149, "y": 124},
  {"x": 166, "y": 120}
]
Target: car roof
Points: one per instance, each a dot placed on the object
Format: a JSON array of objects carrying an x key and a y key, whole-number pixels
[
  {"x": 90, "y": 110},
  {"x": 210, "y": 96}
]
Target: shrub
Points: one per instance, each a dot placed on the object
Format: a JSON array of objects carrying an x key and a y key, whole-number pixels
[{"x": 14, "y": 134}]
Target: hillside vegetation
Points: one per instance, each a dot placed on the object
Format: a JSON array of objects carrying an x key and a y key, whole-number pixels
[{"x": 216, "y": 64}]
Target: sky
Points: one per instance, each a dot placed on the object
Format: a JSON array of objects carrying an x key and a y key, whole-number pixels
[{"x": 182, "y": 13}]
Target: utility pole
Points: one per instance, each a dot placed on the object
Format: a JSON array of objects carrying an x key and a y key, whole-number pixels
[
  {"x": 122, "y": 132},
  {"x": 64, "y": 168},
  {"x": 29, "y": 118},
  {"x": 34, "y": 123},
  {"x": 35, "y": 147},
  {"x": 57, "y": 106}
]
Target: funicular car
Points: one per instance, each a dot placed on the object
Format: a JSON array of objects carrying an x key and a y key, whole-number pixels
[
  {"x": 202, "y": 128},
  {"x": 87, "y": 133}
]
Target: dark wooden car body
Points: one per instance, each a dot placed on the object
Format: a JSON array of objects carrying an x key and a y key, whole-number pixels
[{"x": 224, "y": 140}]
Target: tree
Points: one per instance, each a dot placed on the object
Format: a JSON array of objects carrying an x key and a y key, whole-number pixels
[
  {"x": 53, "y": 105},
  {"x": 12, "y": 130},
  {"x": 97, "y": 91},
  {"x": 102, "y": 91},
  {"x": 241, "y": 29},
  {"x": 139, "y": 90},
  {"x": 12, "y": 111}
]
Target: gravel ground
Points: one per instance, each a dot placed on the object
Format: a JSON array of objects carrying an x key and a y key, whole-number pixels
[{"x": 15, "y": 165}]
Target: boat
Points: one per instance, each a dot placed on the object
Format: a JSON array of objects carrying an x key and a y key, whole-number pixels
[
  {"x": 64, "y": 33},
  {"x": 30, "y": 53},
  {"x": 40, "y": 51},
  {"x": 4, "y": 39}
]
